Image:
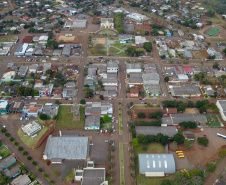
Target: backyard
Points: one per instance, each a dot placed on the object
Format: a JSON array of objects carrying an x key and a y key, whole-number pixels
[
  {"x": 65, "y": 118},
  {"x": 212, "y": 121},
  {"x": 30, "y": 142},
  {"x": 4, "y": 152}
]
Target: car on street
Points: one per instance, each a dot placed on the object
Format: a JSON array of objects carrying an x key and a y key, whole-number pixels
[
  {"x": 91, "y": 144},
  {"x": 106, "y": 141},
  {"x": 116, "y": 121}
]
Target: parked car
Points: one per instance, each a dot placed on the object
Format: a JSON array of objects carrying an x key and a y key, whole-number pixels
[{"x": 106, "y": 141}]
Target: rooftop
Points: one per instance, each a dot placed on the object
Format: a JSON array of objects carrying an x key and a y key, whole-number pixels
[
  {"x": 94, "y": 176},
  {"x": 92, "y": 121},
  {"x": 31, "y": 128}
]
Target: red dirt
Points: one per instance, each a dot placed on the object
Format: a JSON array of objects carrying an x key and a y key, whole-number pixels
[{"x": 27, "y": 39}]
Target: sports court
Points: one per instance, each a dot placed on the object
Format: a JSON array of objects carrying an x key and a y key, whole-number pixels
[{"x": 213, "y": 32}]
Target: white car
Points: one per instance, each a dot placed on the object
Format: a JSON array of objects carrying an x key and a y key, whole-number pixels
[
  {"x": 116, "y": 121},
  {"x": 91, "y": 144},
  {"x": 106, "y": 141}
]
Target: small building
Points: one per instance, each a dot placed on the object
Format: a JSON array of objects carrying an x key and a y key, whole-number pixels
[
  {"x": 125, "y": 38},
  {"x": 50, "y": 109},
  {"x": 136, "y": 17},
  {"x": 187, "y": 90},
  {"x": 156, "y": 165},
  {"x": 134, "y": 92},
  {"x": 66, "y": 50},
  {"x": 21, "y": 180},
  {"x": 135, "y": 79},
  {"x": 4, "y": 106},
  {"x": 133, "y": 68},
  {"x": 92, "y": 123},
  {"x": 139, "y": 40},
  {"x": 33, "y": 109},
  {"x": 221, "y": 105},
  {"x": 129, "y": 28},
  {"x": 21, "y": 49},
  {"x": 112, "y": 66},
  {"x": 181, "y": 33},
  {"x": 99, "y": 108},
  {"x": 107, "y": 23},
  {"x": 31, "y": 128},
  {"x": 189, "y": 135},
  {"x": 188, "y": 70},
  {"x": 7, "y": 162},
  {"x": 12, "y": 172},
  {"x": 68, "y": 92},
  {"x": 66, "y": 147},
  {"x": 23, "y": 71},
  {"x": 16, "y": 107}
]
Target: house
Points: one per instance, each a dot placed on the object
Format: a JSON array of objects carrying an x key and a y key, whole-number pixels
[
  {"x": 136, "y": 17},
  {"x": 92, "y": 123},
  {"x": 125, "y": 38},
  {"x": 139, "y": 40},
  {"x": 99, "y": 108},
  {"x": 12, "y": 172},
  {"x": 178, "y": 70},
  {"x": 181, "y": 33},
  {"x": 133, "y": 68},
  {"x": 4, "y": 106},
  {"x": 16, "y": 107},
  {"x": 21, "y": 180},
  {"x": 134, "y": 92},
  {"x": 153, "y": 130},
  {"x": 68, "y": 92},
  {"x": 33, "y": 109},
  {"x": 43, "y": 39},
  {"x": 46, "y": 90},
  {"x": 169, "y": 71},
  {"x": 189, "y": 135},
  {"x": 187, "y": 90},
  {"x": 135, "y": 79},
  {"x": 73, "y": 68},
  {"x": 129, "y": 28},
  {"x": 221, "y": 105},
  {"x": 23, "y": 71},
  {"x": 9, "y": 90},
  {"x": 188, "y": 70},
  {"x": 151, "y": 84},
  {"x": 70, "y": 84},
  {"x": 218, "y": 56},
  {"x": 107, "y": 23},
  {"x": 211, "y": 51},
  {"x": 40, "y": 69},
  {"x": 31, "y": 128},
  {"x": 110, "y": 82},
  {"x": 21, "y": 49},
  {"x": 57, "y": 93},
  {"x": 66, "y": 147},
  {"x": 112, "y": 66},
  {"x": 156, "y": 165},
  {"x": 209, "y": 90},
  {"x": 175, "y": 119},
  {"x": 7, "y": 162},
  {"x": 50, "y": 109},
  {"x": 57, "y": 52},
  {"x": 66, "y": 50},
  {"x": 221, "y": 92},
  {"x": 33, "y": 68},
  {"x": 76, "y": 24}
]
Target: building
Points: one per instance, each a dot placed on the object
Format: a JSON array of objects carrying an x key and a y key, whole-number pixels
[
  {"x": 66, "y": 50},
  {"x": 188, "y": 70},
  {"x": 4, "y": 106},
  {"x": 175, "y": 119},
  {"x": 139, "y": 40},
  {"x": 8, "y": 76},
  {"x": 23, "y": 71},
  {"x": 21, "y": 50},
  {"x": 154, "y": 130},
  {"x": 46, "y": 90},
  {"x": 134, "y": 92},
  {"x": 133, "y": 68},
  {"x": 66, "y": 147},
  {"x": 189, "y": 135},
  {"x": 187, "y": 90},
  {"x": 7, "y": 162},
  {"x": 181, "y": 33},
  {"x": 123, "y": 38},
  {"x": 68, "y": 92},
  {"x": 43, "y": 39},
  {"x": 16, "y": 107},
  {"x": 156, "y": 165},
  {"x": 221, "y": 105},
  {"x": 13, "y": 172},
  {"x": 92, "y": 123},
  {"x": 135, "y": 79},
  {"x": 21, "y": 180},
  {"x": 57, "y": 93},
  {"x": 33, "y": 109},
  {"x": 151, "y": 84},
  {"x": 76, "y": 24},
  {"x": 50, "y": 109},
  {"x": 107, "y": 23},
  {"x": 99, "y": 108},
  {"x": 129, "y": 28},
  {"x": 31, "y": 128},
  {"x": 136, "y": 17},
  {"x": 112, "y": 66}
]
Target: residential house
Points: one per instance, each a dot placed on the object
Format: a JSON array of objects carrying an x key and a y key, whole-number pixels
[
  {"x": 21, "y": 180},
  {"x": 169, "y": 71},
  {"x": 50, "y": 109},
  {"x": 99, "y": 108},
  {"x": 188, "y": 70},
  {"x": 16, "y": 107},
  {"x": 135, "y": 79},
  {"x": 9, "y": 90},
  {"x": 92, "y": 123},
  {"x": 40, "y": 69},
  {"x": 125, "y": 38},
  {"x": 133, "y": 68},
  {"x": 70, "y": 84},
  {"x": 151, "y": 84},
  {"x": 221, "y": 105},
  {"x": 134, "y": 92},
  {"x": 23, "y": 71},
  {"x": 208, "y": 90},
  {"x": 66, "y": 50},
  {"x": 68, "y": 92},
  {"x": 107, "y": 23},
  {"x": 46, "y": 90},
  {"x": 33, "y": 68},
  {"x": 32, "y": 109},
  {"x": 57, "y": 93},
  {"x": 112, "y": 66},
  {"x": 189, "y": 135},
  {"x": 12, "y": 172},
  {"x": 57, "y": 52},
  {"x": 139, "y": 40},
  {"x": 31, "y": 128},
  {"x": 221, "y": 91},
  {"x": 129, "y": 28},
  {"x": 7, "y": 162}
]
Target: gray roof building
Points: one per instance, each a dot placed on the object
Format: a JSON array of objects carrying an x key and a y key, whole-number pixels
[
  {"x": 135, "y": 78},
  {"x": 175, "y": 119},
  {"x": 92, "y": 121},
  {"x": 187, "y": 90},
  {"x": 153, "y": 130},
  {"x": 156, "y": 164},
  {"x": 66, "y": 50},
  {"x": 129, "y": 28},
  {"x": 12, "y": 172},
  {"x": 66, "y": 147},
  {"x": 94, "y": 176},
  {"x": 7, "y": 162},
  {"x": 70, "y": 84},
  {"x": 23, "y": 71},
  {"x": 50, "y": 109},
  {"x": 21, "y": 180}
]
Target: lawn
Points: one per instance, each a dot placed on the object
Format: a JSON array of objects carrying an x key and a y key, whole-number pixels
[
  {"x": 214, "y": 123},
  {"x": 154, "y": 148},
  {"x": 65, "y": 118},
  {"x": 8, "y": 39},
  {"x": 4, "y": 152},
  {"x": 69, "y": 177},
  {"x": 109, "y": 32},
  {"x": 117, "y": 44},
  {"x": 121, "y": 155},
  {"x": 1, "y": 144},
  {"x": 214, "y": 20},
  {"x": 30, "y": 142},
  {"x": 120, "y": 119}
]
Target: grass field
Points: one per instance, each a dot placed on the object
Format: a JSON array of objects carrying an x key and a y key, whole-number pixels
[
  {"x": 28, "y": 140},
  {"x": 8, "y": 38},
  {"x": 120, "y": 119},
  {"x": 121, "y": 155},
  {"x": 69, "y": 177},
  {"x": 213, "y": 32},
  {"x": 215, "y": 123},
  {"x": 1, "y": 144},
  {"x": 154, "y": 148},
  {"x": 214, "y": 20},
  {"x": 4, "y": 152},
  {"x": 65, "y": 118},
  {"x": 109, "y": 32}
]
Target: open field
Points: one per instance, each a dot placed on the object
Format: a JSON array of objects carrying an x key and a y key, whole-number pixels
[
  {"x": 214, "y": 20},
  {"x": 121, "y": 156},
  {"x": 212, "y": 121},
  {"x": 8, "y": 38},
  {"x": 28, "y": 140},
  {"x": 197, "y": 54},
  {"x": 191, "y": 111},
  {"x": 65, "y": 118},
  {"x": 4, "y": 152},
  {"x": 65, "y": 39}
]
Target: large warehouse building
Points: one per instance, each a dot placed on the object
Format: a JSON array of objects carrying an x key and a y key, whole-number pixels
[
  {"x": 65, "y": 147},
  {"x": 156, "y": 165}
]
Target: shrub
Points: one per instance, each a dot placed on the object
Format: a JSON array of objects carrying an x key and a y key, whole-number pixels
[
  {"x": 3, "y": 130},
  {"x": 29, "y": 158},
  {"x": 144, "y": 148},
  {"x": 11, "y": 139},
  {"x": 15, "y": 143},
  {"x": 179, "y": 138},
  {"x": 51, "y": 181},
  {"x": 40, "y": 169},
  {"x": 166, "y": 79},
  {"x": 188, "y": 124},
  {"x": 83, "y": 101},
  {"x": 56, "y": 172},
  {"x": 20, "y": 148},
  {"x": 25, "y": 153},
  {"x": 203, "y": 141},
  {"x": 7, "y": 134},
  {"x": 34, "y": 163},
  {"x": 57, "y": 102},
  {"x": 43, "y": 116},
  {"x": 210, "y": 167},
  {"x": 45, "y": 175},
  {"x": 141, "y": 115}
]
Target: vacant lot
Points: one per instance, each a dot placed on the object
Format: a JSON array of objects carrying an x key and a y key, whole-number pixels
[
  {"x": 197, "y": 54},
  {"x": 65, "y": 118},
  {"x": 191, "y": 111},
  {"x": 8, "y": 39},
  {"x": 4, "y": 152},
  {"x": 30, "y": 142},
  {"x": 65, "y": 39}
]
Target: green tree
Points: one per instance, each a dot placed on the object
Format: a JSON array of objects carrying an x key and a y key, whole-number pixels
[
  {"x": 106, "y": 119},
  {"x": 120, "y": 30},
  {"x": 203, "y": 141},
  {"x": 215, "y": 65},
  {"x": 43, "y": 116},
  {"x": 56, "y": 172},
  {"x": 51, "y": 43},
  {"x": 179, "y": 138},
  {"x": 190, "y": 103},
  {"x": 141, "y": 115},
  {"x": 146, "y": 32},
  {"x": 101, "y": 97},
  {"x": 82, "y": 101},
  {"x": 57, "y": 102},
  {"x": 166, "y": 79},
  {"x": 131, "y": 51},
  {"x": 147, "y": 46},
  {"x": 50, "y": 35}
]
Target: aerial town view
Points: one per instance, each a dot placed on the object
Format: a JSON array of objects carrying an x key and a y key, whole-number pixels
[{"x": 113, "y": 92}]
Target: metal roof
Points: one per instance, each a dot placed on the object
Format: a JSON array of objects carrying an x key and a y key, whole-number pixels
[{"x": 156, "y": 163}]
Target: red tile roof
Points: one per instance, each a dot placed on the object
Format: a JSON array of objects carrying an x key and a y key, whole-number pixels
[{"x": 188, "y": 69}]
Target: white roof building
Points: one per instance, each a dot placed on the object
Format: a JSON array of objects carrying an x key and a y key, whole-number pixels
[
  {"x": 140, "y": 40},
  {"x": 31, "y": 128}
]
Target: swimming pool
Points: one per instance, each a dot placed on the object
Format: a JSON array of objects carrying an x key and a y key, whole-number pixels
[{"x": 25, "y": 83}]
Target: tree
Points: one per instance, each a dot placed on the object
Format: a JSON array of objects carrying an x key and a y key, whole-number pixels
[
  {"x": 131, "y": 51},
  {"x": 120, "y": 30},
  {"x": 106, "y": 119},
  {"x": 179, "y": 138},
  {"x": 166, "y": 79},
  {"x": 57, "y": 102},
  {"x": 147, "y": 46},
  {"x": 146, "y": 32},
  {"x": 188, "y": 124},
  {"x": 210, "y": 167},
  {"x": 203, "y": 141},
  {"x": 166, "y": 182},
  {"x": 50, "y": 35},
  {"x": 101, "y": 97},
  {"x": 88, "y": 93},
  {"x": 141, "y": 115},
  {"x": 29, "y": 158},
  {"x": 31, "y": 82},
  {"x": 163, "y": 56},
  {"x": 49, "y": 71},
  {"x": 190, "y": 103},
  {"x": 82, "y": 101},
  {"x": 43, "y": 116},
  {"x": 54, "y": 117},
  {"x": 222, "y": 153},
  {"x": 188, "y": 144},
  {"x": 25, "y": 153},
  {"x": 51, "y": 43},
  {"x": 215, "y": 65}
]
